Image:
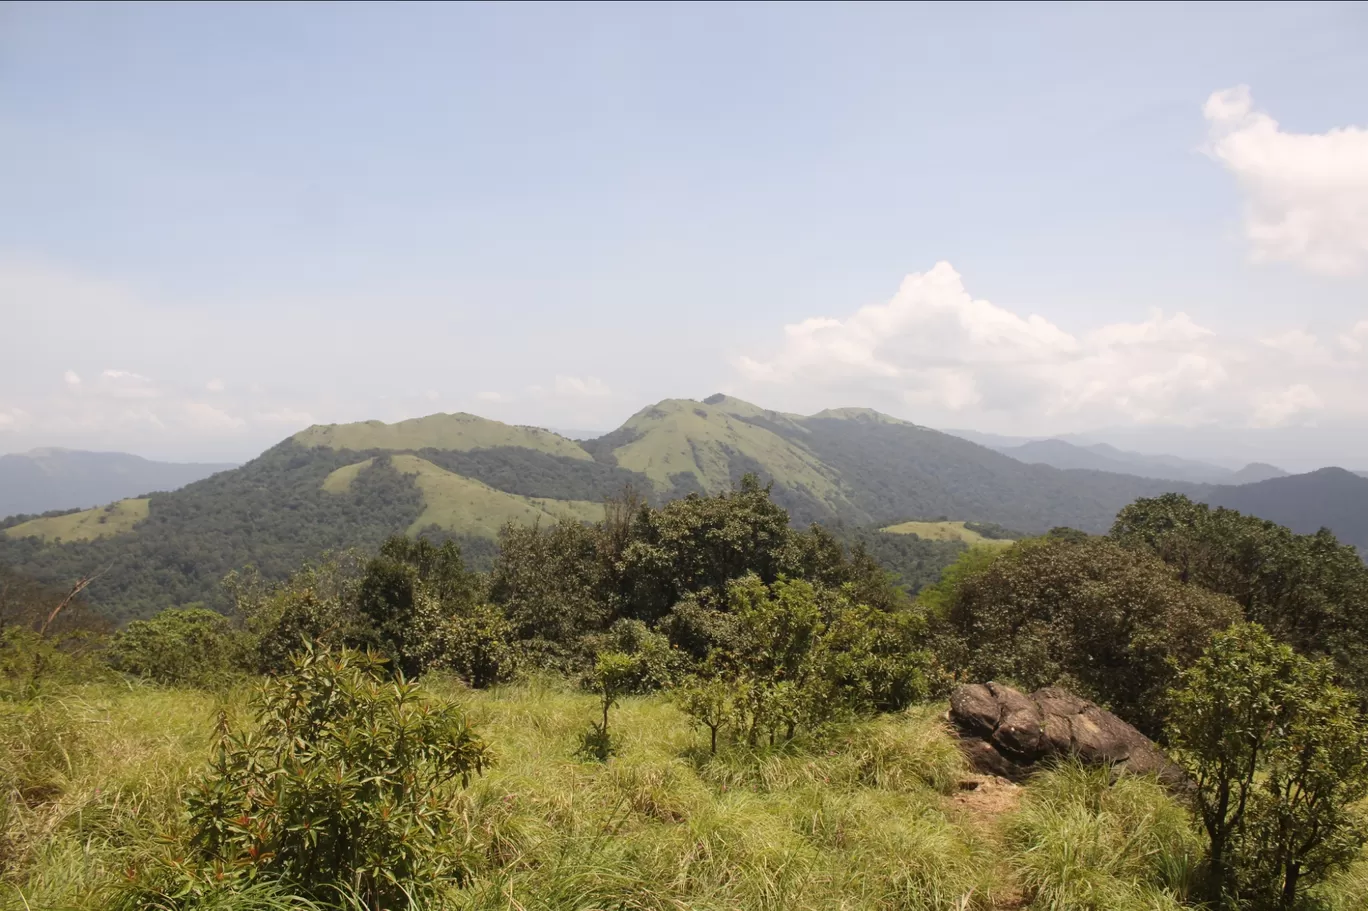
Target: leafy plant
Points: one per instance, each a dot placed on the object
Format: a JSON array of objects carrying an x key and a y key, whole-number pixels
[
  {"x": 711, "y": 702},
  {"x": 344, "y": 784},
  {"x": 613, "y": 677},
  {"x": 1278, "y": 755},
  {"x": 1110, "y": 622},
  {"x": 178, "y": 647}
]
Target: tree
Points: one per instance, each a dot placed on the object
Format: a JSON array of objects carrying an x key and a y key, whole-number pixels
[
  {"x": 407, "y": 589},
  {"x": 1278, "y": 756},
  {"x": 551, "y": 583},
  {"x": 1307, "y": 590},
  {"x": 1090, "y": 615},
  {"x": 710, "y": 702},
  {"x": 178, "y": 647},
  {"x": 612, "y": 678}
]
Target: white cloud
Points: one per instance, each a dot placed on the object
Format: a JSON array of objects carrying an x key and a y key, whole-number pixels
[
  {"x": 215, "y": 385},
  {"x": 1292, "y": 401},
  {"x": 12, "y": 418},
  {"x": 580, "y": 387},
  {"x": 490, "y": 396},
  {"x": 1306, "y": 193},
  {"x": 936, "y": 354},
  {"x": 125, "y": 384},
  {"x": 72, "y": 378}
]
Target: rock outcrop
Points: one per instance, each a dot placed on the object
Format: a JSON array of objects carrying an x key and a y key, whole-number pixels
[{"x": 1007, "y": 733}]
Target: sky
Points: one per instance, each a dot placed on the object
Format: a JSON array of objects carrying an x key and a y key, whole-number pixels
[{"x": 1145, "y": 223}]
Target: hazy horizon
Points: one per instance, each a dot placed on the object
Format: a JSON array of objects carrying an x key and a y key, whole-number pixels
[{"x": 220, "y": 224}]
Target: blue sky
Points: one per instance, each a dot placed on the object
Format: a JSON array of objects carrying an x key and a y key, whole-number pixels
[{"x": 220, "y": 223}]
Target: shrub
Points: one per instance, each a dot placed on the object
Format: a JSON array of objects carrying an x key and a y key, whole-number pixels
[
  {"x": 475, "y": 644},
  {"x": 178, "y": 647},
  {"x": 613, "y": 676},
  {"x": 710, "y": 702},
  {"x": 1112, "y": 623},
  {"x": 343, "y": 787},
  {"x": 1279, "y": 756},
  {"x": 655, "y": 664},
  {"x": 315, "y": 604}
]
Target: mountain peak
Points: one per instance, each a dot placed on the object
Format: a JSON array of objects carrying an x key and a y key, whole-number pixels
[
  {"x": 459, "y": 432},
  {"x": 864, "y": 415}
]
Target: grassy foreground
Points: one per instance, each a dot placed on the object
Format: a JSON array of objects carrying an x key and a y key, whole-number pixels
[{"x": 870, "y": 816}]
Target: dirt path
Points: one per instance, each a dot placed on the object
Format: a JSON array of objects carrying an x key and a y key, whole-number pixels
[{"x": 979, "y": 804}]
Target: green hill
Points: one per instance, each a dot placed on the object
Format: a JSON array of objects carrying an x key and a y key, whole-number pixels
[
  {"x": 1329, "y": 497},
  {"x": 461, "y": 476},
  {"x": 945, "y": 531},
  {"x": 456, "y": 432},
  {"x": 464, "y": 506},
  {"x": 87, "y": 525}
]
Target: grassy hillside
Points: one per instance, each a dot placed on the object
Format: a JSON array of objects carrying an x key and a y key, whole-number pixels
[
  {"x": 271, "y": 512},
  {"x": 945, "y": 531},
  {"x": 464, "y": 506},
  {"x": 456, "y": 432},
  {"x": 681, "y": 437},
  {"x": 87, "y": 525},
  {"x": 870, "y": 818}
]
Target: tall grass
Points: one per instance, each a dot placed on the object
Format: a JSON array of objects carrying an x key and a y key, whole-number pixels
[
  {"x": 1080, "y": 842},
  {"x": 861, "y": 819}
]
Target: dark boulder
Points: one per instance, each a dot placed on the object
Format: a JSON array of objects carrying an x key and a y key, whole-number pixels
[{"x": 1007, "y": 733}]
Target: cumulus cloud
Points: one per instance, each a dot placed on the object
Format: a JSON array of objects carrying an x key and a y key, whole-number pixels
[
  {"x": 72, "y": 378},
  {"x": 214, "y": 385},
  {"x": 1306, "y": 194},
  {"x": 937, "y": 354}
]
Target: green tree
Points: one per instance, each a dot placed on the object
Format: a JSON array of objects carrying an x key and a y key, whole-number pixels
[
  {"x": 612, "y": 677},
  {"x": 1091, "y": 615},
  {"x": 1278, "y": 756},
  {"x": 710, "y": 702},
  {"x": 316, "y": 603},
  {"x": 407, "y": 590},
  {"x": 1308, "y": 590},
  {"x": 178, "y": 647},
  {"x": 551, "y": 582}
]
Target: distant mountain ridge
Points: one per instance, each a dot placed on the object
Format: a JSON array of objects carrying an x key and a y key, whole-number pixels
[
  {"x": 1329, "y": 497},
  {"x": 461, "y": 476},
  {"x": 1059, "y": 453},
  {"x": 42, "y": 480}
]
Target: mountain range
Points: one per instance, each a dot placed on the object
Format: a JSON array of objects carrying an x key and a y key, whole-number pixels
[
  {"x": 46, "y": 479},
  {"x": 1060, "y": 453},
  {"x": 463, "y": 477}
]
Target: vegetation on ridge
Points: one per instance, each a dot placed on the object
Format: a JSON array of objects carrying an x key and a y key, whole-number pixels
[{"x": 691, "y": 704}]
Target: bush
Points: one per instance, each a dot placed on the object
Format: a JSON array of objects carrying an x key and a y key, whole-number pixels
[
  {"x": 343, "y": 788},
  {"x": 1279, "y": 757},
  {"x": 1108, "y": 622},
  {"x": 476, "y": 645},
  {"x": 178, "y": 647},
  {"x": 315, "y": 604}
]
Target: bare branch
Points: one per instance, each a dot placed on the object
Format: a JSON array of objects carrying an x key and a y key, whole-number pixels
[{"x": 80, "y": 586}]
